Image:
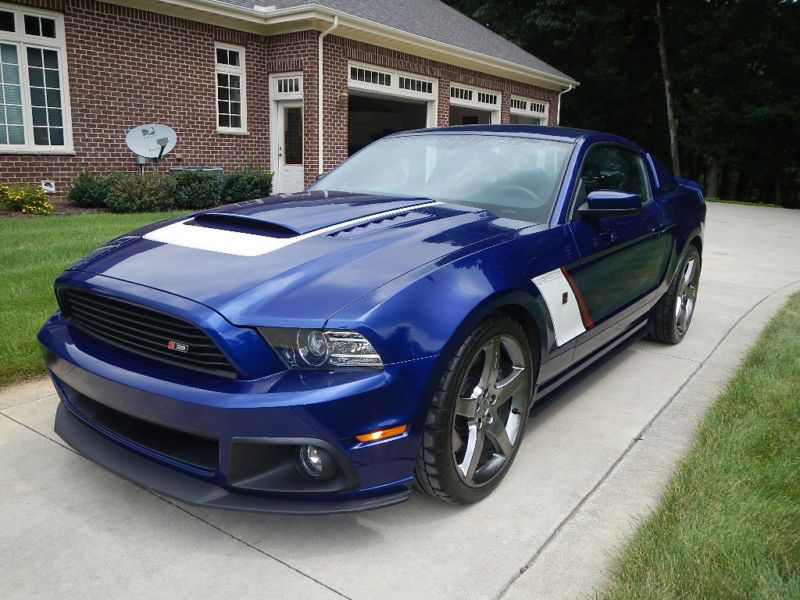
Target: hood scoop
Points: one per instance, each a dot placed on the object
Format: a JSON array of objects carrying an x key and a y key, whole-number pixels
[
  {"x": 242, "y": 224},
  {"x": 224, "y": 232}
]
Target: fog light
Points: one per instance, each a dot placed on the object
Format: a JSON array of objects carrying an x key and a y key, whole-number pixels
[{"x": 316, "y": 464}]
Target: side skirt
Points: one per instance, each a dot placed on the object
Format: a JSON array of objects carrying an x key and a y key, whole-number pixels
[{"x": 638, "y": 329}]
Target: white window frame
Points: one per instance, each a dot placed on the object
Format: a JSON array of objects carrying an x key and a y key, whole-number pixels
[
  {"x": 274, "y": 80},
  {"x": 531, "y": 108},
  {"x": 241, "y": 72},
  {"x": 394, "y": 90},
  {"x": 21, "y": 40},
  {"x": 494, "y": 109}
]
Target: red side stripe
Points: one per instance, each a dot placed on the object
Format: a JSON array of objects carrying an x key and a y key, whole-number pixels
[{"x": 587, "y": 320}]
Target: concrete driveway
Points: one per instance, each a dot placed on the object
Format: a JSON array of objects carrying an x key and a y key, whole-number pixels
[{"x": 595, "y": 459}]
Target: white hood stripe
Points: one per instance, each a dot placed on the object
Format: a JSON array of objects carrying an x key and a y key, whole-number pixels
[{"x": 249, "y": 244}]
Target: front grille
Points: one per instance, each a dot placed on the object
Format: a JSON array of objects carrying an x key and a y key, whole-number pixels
[
  {"x": 144, "y": 332},
  {"x": 186, "y": 448}
]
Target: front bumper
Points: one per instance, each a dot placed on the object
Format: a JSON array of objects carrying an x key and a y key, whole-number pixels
[
  {"x": 328, "y": 409},
  {"x": 166, "y": 481}
]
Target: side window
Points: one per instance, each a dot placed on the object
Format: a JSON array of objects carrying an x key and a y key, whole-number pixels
[{"x": 612, "y": 168}]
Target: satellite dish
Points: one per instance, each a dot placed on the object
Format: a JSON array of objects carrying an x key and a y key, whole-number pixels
[{"x": 152, "y": 140}]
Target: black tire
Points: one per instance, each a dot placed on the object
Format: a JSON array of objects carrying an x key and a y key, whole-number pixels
[
  {"x": 668, "y": 324},
  {"x": 438, "y": 472}
]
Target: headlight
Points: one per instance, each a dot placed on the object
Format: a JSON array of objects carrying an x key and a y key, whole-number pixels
[{"x": 322, "y": 349}]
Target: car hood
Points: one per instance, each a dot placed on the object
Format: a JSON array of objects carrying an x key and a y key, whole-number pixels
[{"x": 297, "y": 259}]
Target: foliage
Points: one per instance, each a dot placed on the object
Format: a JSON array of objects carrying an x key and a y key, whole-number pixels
[
  {"x": 25, "y": 199},
  {"x": 127, "y": 192},
  {"x": 88, "y": 190},
  {"x": 146, "y": 192},
  {"x": 727, "y": 526},
  {"x": 32, "y": 254},
  {"x": 197, "y": 189},
  {"x": 245, "y": 185},
  {"x": 735, "y": 74}
]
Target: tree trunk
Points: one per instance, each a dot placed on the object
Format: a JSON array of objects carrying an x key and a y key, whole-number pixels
[
  {"x": 778, "y": 191},
  {"x": 712, "y": 177},
  {"x": 662, "y": 52}
]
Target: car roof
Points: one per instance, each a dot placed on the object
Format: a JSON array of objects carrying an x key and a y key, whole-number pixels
[{"x": 535, "y": 131}]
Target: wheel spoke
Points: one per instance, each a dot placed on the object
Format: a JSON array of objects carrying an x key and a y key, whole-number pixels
[
  {"x": 467, "y": 407},
  {"x": 509, "y": 385},
  {"x": 682, "y": 317},
  {"x": 472, "y": 454},
  {"x": 491, "y": 353},
  {"x": 688, "y": 273},
  {"x": 496, "y": 430}
]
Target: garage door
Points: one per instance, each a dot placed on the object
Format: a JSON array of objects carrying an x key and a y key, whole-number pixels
[{"x": 383, "y": 101}]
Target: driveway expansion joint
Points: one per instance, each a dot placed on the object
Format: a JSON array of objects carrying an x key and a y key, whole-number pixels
[{"x": 188, "y": 512}]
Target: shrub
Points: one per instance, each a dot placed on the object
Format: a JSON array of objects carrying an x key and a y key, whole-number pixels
[
  {"x": 134, "y": 192},
  {"x": 88, "y": 190},
  {"x": 25, "y": 199},
  {"x": 245, "y": 185},
  {"x": 197, "y": 189}
]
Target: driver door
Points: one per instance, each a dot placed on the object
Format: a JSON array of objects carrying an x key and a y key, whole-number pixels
[{"x": 622, "y": 258}]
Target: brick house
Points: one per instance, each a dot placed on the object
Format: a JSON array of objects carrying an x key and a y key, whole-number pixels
[{"x": 239, "y": 82}]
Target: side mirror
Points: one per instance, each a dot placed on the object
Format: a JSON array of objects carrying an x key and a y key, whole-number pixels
[
  {"x": 608, "y": 203},
  {"x": 320, "y": 177}
]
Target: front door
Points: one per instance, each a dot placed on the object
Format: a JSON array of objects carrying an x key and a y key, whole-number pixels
[
  {"x": 289, "y": 175},
  {"x": 623, "y": 259}
]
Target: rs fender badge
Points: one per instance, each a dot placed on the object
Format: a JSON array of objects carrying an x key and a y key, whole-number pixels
[{"x": 178, "y": 346}]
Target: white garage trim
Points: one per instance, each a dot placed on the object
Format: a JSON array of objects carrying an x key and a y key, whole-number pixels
[
  {"x": 468, "y": 96},
  {"x": 528, "y": 107},
  {"x": 396, "y": 84}
]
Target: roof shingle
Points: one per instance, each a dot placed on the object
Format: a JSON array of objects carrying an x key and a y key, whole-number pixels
[{"x": 431, "y": 19}]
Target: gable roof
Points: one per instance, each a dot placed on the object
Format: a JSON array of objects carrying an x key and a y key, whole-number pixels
[{"x": 429, "y": 19}]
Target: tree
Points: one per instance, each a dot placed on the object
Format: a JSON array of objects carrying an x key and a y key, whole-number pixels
[
  {"x": 662, "y": 53},
  {"x": 734, "y": 80}
]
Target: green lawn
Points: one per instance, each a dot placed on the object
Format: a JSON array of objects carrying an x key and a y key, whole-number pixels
[
  {"x": 33, "y": 251},
  {"x": 729, "y": 524}
]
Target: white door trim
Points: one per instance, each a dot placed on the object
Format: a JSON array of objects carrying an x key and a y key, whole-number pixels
[{"x": 285, "y": 89}]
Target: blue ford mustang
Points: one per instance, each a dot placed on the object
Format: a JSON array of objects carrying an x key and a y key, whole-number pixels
[{"x": 321, "y": 352}]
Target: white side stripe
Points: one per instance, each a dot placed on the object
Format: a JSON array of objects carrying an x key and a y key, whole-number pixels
[
  {"x": 249, "y": 244},
  {"x": 566, "y": 317}
]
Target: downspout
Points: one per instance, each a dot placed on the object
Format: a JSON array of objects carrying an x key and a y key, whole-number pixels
[
  {"x": 320, "y": 92},
  {"x": 561, "y": 93}
]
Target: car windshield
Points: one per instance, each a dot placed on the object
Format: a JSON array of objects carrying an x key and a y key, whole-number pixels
[{"x": 512, "y": 176}]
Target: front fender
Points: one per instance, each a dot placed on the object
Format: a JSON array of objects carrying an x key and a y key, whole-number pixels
[{"x": 429, "y": 311}]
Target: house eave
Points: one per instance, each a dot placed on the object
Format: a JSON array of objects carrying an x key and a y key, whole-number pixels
[{"x": 317, "y": 17}]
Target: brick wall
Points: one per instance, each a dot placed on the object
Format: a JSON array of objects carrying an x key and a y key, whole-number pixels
[{"x": 128, "y": 67}]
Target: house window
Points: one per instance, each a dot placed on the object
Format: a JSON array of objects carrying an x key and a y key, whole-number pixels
[
  {"x": 34, "y": 99},
  {"x": 231, "y": 101}
]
